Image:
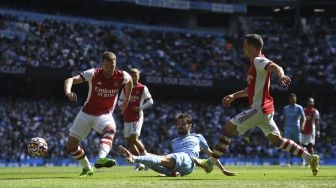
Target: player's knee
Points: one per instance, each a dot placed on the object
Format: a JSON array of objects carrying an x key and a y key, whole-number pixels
[
  {"x": 275, "y": 140},
  {"x": 229, "y": 130},
  {"x": 168, "y": 161},
  {"x": 133, "y": 138},
  {"x": 130, "y": 141},
  {"x": 109, "y": 130},
  {"x": 72, "y": 144},
  {"x": 71, "y": 148}
]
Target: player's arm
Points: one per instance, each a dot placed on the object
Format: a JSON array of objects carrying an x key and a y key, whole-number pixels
[
  {"x": 303, "y": 119},
  {"x": 282, "y": 120},
  {"x": 145, "y": 102},
  {"x": 148, "y": 102},
  {"x": 68, "y": 85},
  {"x": 317, "y": 124},
  {"x": 121, "y": 97},
  {"x": 219, "y": 164},
  {"x": 284, "y": 79},
  {"x": 230, "y": 98},
  {"x": 128, "y": 89}
]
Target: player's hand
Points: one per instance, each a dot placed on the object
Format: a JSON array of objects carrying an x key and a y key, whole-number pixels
[
  {"x": 123, "y": 107},
  {"x": 284, "y": 80},
  {"x": 228, "y": 173},
  {"x": 317, "y": 134},
  {"x": 72, "y": 96},
  {"x": 227, "y": 100},
  {"x": 136, "y": 109}
]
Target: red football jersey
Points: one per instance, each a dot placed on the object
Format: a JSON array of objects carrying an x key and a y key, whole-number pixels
[
  {"x": 139, "y": 94},
  {"x": 258, "y": 83},
  {"x": 311, "y": 115},
  {"x": 103, "y": 92}
]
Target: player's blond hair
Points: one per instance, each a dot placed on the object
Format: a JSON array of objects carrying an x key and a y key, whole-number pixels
[
  {"x": 134, "y": 70},
  {"x": 110, "y": 56}
]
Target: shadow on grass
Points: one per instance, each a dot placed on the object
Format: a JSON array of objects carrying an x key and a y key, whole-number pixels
[
  {"x": 37, "y": 178},
  {"x": 190, "y": 179}
]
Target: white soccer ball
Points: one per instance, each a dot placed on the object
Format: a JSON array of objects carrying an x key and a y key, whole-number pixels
[{"x": 37, "y": 147}]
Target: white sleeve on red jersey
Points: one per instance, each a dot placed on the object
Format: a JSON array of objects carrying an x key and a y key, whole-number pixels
[
  {"x": 145, "y": 94},
  {"x": 122, "y": 96},
  {"x": 260, "y": 63},
  {"x": 316, "y": 115},
  {"x": 88, "y": 74},
  {"x": 127, "y": 77}
]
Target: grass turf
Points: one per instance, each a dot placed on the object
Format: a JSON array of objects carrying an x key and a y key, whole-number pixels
[{"x": 121, "y": 176}]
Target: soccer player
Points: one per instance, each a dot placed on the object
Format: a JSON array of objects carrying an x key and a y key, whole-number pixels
[
  {"x": 133, "y": 116},
  {"x": 186, "y": 148},
  {"x": 292, "y": 114},
  {"x": 311, "y": 126},
  {"x": 261, "y": 108},
  {"x": 104, "y": 86}
]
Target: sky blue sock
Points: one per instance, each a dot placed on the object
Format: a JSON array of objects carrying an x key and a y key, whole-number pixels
[
  {"x": 153, "y": 162},
  {"x": 148, "y": 160}
]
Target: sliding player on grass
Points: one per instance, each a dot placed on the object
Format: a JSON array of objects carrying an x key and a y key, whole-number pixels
[{"x": 186, "y": 148}]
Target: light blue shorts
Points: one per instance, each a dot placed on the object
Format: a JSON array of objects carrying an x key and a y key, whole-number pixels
[
  {"x": 184, "y": 164},
  {"x": 293, "y": 134}
]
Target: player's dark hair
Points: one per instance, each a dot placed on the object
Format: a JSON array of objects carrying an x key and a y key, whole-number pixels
[
  {"x": 184, "y": 116},
  {"x": 110, "y": 56},
  {"x": 254, "y": 40}
]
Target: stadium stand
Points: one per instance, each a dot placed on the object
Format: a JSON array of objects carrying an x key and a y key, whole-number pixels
[{"x": 74, "y": 44}]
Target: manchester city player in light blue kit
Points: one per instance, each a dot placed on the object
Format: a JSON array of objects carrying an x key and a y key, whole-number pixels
[
  {"x": 292, "y": 115},
  {"x": 186, "y": 148}
]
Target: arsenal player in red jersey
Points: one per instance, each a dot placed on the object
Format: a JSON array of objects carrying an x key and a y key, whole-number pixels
[
  {"x": 312, "y": 126},
  {"x": 133, "y": 116},
  {"x": 104, "y": 86},
  {"x": 261, "y": 109}
]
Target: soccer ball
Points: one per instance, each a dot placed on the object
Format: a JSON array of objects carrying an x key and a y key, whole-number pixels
[{"x": 37, "y": 147}]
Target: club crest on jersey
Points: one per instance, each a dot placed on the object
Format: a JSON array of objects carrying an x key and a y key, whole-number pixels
[
  {"x": 115, "y": 84},
  {"x": 137, "y": 92}
]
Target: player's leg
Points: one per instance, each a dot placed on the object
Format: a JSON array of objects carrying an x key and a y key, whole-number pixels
[
  {"x": 131, "y": 143},
  {"x": 140, "y": 146},
  {"x": 236, "y": 126},
  {"x": 310, "y": 142},
  {"x": 310, "y": 148},
  {"x": 272, "y": 132},
  {"x": 289, "y": 134},
  {"x": 134, "y": 143},
  {"x": 135, "y": 130},
  {"x": 105, "y": 126},
  {"x": 304, "y": 143},
  {"x": 79, "y": 130},
  {"x": 137, "y": 148},
  {"x": 157, "y": 163}
]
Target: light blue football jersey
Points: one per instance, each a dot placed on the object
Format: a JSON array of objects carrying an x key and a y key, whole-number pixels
[
  {"x": 191, "y": 144},
  {"x": 293, "y": 113}
]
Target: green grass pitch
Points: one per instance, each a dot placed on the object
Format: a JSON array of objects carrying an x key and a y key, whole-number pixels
[{"x": 121, "y": 176}]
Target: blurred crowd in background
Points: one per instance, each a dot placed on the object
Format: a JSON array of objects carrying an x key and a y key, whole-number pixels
[
  {"x": 307, "y": 56},
  {"x": 23, "y": 119}
]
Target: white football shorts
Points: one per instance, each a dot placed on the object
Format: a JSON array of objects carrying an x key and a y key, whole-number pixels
[
  {"x": 251, "y": 118},
  {"x": 133, "y": 127},
  {"x": 308, "y": 139},
  {"x": 84, "y": 122}
]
